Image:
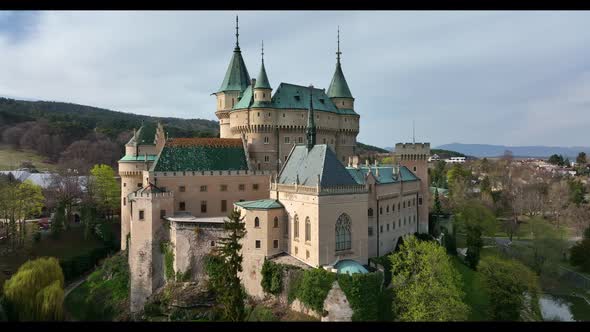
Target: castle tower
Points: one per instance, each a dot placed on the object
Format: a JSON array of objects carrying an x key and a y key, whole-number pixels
[
  {"x": 338, "y": 90},
  {"x": 311, "y": 129},
  {"x": 236, "y": 80},
  {"x": 262, "y": 88},
  {"x": 415, "y": 157}
]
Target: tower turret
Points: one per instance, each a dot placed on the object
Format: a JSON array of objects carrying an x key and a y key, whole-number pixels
[
  {"x": 234, "y": 83},
  {"x": 338, "y": 90},
  {"x": 262, "y": 88}
]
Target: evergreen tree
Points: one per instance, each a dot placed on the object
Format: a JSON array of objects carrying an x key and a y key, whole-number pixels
[
  {"x": 230, "y": 293},
  {"x": 475, "y": 219},
  {"x": 57, "y": 224},
  {"x": 437, "y": 204}
]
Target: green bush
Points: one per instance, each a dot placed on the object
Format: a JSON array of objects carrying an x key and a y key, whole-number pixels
[
  {"x": 295, "y": 279},
  {"x": 166, "y": 248},
  {"x": 272, "y": 277},
  {"x": 261, "y": 314},
  {"x": 363, "y": 292},
  {"x": 314, "y": 287},
  {"x": 74, "y": 267},
  {"x": 386, "y": 263},
  {"x": 37, "y": 236}
]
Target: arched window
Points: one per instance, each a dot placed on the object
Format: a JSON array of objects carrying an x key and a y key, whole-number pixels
[
  {"x": 387, "y": 209},
  {"x": 296, "y": 227},
  {"x": 276, "y": 222},
  {"x": 256, "y": 222},
  {"x": 307, "y": 229},
  {"x": 370, "y": 212},
  {"x": 343, "y": 235}
]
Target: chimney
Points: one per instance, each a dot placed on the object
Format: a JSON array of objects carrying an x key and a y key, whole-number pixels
[
  {"x": 367, "y": 162},
  {"x": 253, "y": 82},
  {"x": 355, "y": 161},
  {"x": 349, "y": 161}
]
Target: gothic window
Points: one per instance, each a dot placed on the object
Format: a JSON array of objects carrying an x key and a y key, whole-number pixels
[
  {"x": 300, "y": 139},
  {"x": 296, "y": 227},
  {"x": 276, "y": 222},
  {"x": 256, "y": 222},
  {"x": 181, "y": 206},
  {"x": 381, "y": 210},
  {"x": 266, "y": 159},
  {"x": 266, "y": 140},
  {"x": 275, "y": 244},
  {"x": 232, "y": 102},
  {"x": 343, "y": 233},
  {"x": 307, "y": 229},
  {"x": 387, "y": 209}
]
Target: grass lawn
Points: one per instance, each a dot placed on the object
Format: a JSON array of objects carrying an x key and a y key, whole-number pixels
[
  {"x": 475, "y": 295},
  {"x": 11, "y": 159}
]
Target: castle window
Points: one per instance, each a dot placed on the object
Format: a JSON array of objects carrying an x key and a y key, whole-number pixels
[
  {"x": 258, "y": 244},
  {"x": 283, "y": 115},
  {"x": 181, "y": 206},
  {"x": 182, "y": 189},
  {"x": 286, "y": 229},
  {"x": 414, "y": 168},
  {"x": 307, "y": 229},
  {"x": 223, "y": 187},
  {"x": 256, "y": 222},
  {"x": 387, "y": 209},
  {"x": 203, "y": 188},
  {"x": 381, "y": 228},
  {"x": 343, "y": 234},
  {"x": 139, "y": 185},
  {"x": 381, "y": 210},
  {"x": 419, "y": 200},
  {"x": 296, "y": 250},
  {"x": 258, "y": 113},
  {"x": 307, "y": 254},
  {"x": 268, "y": 114},
  {"x": 297, "y": 98},
  {"x": 343, "y": 104},
  {"x": 203, "y": 206},
  {"x": 370, "y": 231},
  {"x": 322, "y": 100},
  {"x": 388, "y": 227},
  {"x": 276, "y": 222},
  {"x": 296, "y": 227},
  {"x": 266, "y": 159},
  {"x": 255, "y": 186},
  {"x": 404, "y": 204},
  {"x": 266, "y": 140},
  {"x": 275, "y": 244},
  {"x": 242, "y": 187},
  {"x": 232, "y": 102},
  {"x": 345, "y": 119},
  {"x": 124, "y": 184},
  {"x": 213, "y": 243},
  {"x": 223, "y": 205},
  {"x": 370, "y": 188},
  {"x": 393, "y": 224},
  {"x": 162, "y": 214},
  {"x": 124, "y": 201},
  {"x": 141, "y": 214},
  {"x": 287, "y": 139},
  {"x": 399, "y": 223},
  {"x": 370, "y": 212}
]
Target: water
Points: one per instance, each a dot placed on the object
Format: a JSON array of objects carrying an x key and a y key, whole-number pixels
[{"x": 564, "y": 308}]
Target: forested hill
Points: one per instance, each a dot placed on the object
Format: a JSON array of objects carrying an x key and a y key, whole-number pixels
[
  {"x": 79, "y": 136},
  {"x": 87, "y": 118}
]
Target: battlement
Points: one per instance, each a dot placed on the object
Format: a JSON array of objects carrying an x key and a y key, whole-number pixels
[
  {"x": 167, "y": 194},
  {"x": 214, "y": 173},
  {"x": 412, "y": 148}
]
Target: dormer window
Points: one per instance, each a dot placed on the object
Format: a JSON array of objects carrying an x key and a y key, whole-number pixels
[
  {"x": 298, "y": 98},
  {"x": 322, "y": 100}
]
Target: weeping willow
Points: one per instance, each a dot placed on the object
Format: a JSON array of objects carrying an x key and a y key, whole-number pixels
[{"x": 36, "y": 290}]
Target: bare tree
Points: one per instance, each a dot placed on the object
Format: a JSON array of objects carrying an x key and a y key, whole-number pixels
[{"x": 558, "y": 200}]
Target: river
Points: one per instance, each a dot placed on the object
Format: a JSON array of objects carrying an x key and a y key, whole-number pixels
[{"x": 565, "y": 308}]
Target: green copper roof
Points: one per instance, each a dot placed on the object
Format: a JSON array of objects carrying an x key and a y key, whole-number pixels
[
  {"x": 350, "y": 267},
  {"x": 236, "y": 76},
  {"x": 385, "y": 174},
  {"x": 305, "y": 165},
  {"x": 262, "y": 79},
  {"x": 338, "y": 87},
  {"x": 193, "y": 154},
  {"x": 261, "y": 204},
  {"x": 146, "y": 134},
  {"x": 128, "y": 158},
  {"x": 247, "y": 101}
]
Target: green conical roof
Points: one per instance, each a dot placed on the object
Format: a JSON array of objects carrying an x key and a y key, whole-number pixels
[
  {"x": 262, "y": 80},
  {"x": 338, "y": 87},
  {"x": 236, "y": 77}
]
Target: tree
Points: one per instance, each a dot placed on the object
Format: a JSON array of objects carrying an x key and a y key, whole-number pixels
[
  {"x": 105, "y": 190},
  {"x": 66, "y": 189},
  {"x": 556, "y": 160},
  {"x": 227, "y": 284},
  {"x": 458, "y": 179},
  {"x": 437, "y": 205},
  {"x": 512, "y": 287},
  {"x": 577, "y": 191},
  {"x": 579, "y": 252},
  {"x": 581, "y": 158},
  {"x": 426, "y": 286},
  {"x": 547, "y": 246},
  {"x": 558, "y": 200},
  {"x": 57, "y": 224},
  {"x": 36, "y": 292},
  {"x": 475, "y": 219}
]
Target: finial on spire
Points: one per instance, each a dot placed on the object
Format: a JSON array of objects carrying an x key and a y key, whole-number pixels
[
  {"x": 338, "y": 53},
  {"x": 413, "y": 132},
  {"x": 237, "y": 33},
  {"x": 263, "y": 51}
]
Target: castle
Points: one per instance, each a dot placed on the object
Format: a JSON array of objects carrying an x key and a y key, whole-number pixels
[{"x": 287, "y": 163}]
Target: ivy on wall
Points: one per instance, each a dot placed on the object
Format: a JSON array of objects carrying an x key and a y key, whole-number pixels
[
  {"x": 166, "y": 248},
  {"x": 272, "y": 277},
  {"x": 313, "y": 288},
  {"x": 363, "y": 293}
]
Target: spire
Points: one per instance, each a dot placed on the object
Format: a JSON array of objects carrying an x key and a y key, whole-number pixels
[
  {"x": 237, "y": 34},
  {"x": 311, "y": 131},
  {"x": 236, "y": 77},
  {"x": 262, "y": 80},
  {"x": 338, "y": 87}
]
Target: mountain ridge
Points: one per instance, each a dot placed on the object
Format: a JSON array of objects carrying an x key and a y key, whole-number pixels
[{"x": 491, "y": 150}]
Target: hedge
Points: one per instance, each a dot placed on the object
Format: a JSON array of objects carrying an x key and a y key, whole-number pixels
[
  {"x": 386, "y": 263},
  {"x": 74, "y": 267},
  {"x": 314, "y": 287},
  {"x": 363, "y": 292}
]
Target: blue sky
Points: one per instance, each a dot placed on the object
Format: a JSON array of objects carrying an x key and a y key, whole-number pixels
[{"x": 513, "y": 78}]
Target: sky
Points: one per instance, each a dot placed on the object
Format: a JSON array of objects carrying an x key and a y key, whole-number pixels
[{"x": 506, "y": 77}]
